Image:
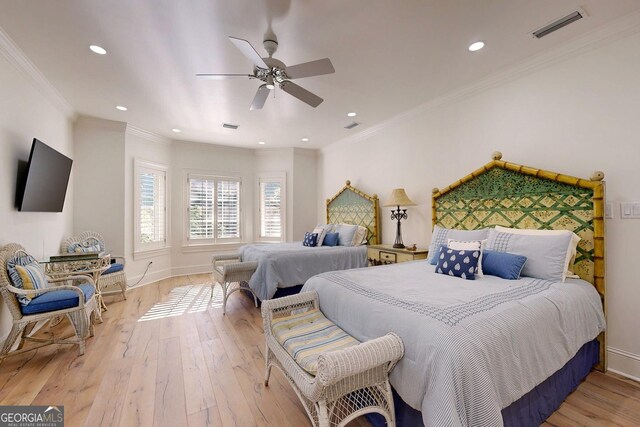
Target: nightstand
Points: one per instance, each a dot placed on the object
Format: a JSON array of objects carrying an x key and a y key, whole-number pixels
[{"x": 387, "y": 254}]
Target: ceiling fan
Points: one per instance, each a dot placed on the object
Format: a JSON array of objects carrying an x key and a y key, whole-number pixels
[{"x": 272, "y": 71}]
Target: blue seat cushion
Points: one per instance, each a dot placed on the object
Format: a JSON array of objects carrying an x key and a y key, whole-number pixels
[
  {"x": 58, "y": 300},
  {"x": 114, "y": 268}
]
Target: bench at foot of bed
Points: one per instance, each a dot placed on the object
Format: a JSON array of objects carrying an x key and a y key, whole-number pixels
[{"x": 336, "y": 377}]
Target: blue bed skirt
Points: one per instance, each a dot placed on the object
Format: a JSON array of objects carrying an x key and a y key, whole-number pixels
[{"x": 531, "y": 409}]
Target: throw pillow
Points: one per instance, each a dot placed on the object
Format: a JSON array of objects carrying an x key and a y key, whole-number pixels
[
  {"x": 502, "y": 264},
  {"x": 33, "y": 278},
  {"x": 331, "y": 239},
  {"x": 310, "y": 239},
  {"x": 458, "y": 263}
]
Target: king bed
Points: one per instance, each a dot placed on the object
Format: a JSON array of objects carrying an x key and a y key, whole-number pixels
[
  {"x": 489, "y": 351},
  {"x": 286, "y": 266}
]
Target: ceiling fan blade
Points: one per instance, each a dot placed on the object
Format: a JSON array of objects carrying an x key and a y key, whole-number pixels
[
  {"x": 221, "y": 76},
  {"x": 301, "y": 93},
  {"x": 261, "y": 97},
  {"x": 309, "y": 69},
  {"x": 248, "y": 51}
]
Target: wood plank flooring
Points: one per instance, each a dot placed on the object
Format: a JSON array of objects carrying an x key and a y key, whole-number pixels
[{"x": 168, "y": 357}]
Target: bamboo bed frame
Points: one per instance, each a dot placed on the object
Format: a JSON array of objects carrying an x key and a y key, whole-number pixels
[
  {"x": 352, "y": 206},
  {"x": 512, "y": 195}
]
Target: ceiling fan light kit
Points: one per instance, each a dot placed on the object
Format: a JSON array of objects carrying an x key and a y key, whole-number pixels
[{"x": 271, "y": 71}]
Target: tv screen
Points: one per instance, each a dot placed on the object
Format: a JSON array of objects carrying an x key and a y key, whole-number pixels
[{"x": 46, "y": 181}]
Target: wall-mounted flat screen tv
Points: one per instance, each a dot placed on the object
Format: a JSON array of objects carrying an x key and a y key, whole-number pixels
[{"x": 47, "y": 178}]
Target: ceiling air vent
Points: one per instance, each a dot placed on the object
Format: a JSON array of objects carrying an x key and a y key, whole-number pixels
[
  {"x": 351, "y": 125},
  {"x": 229, "y": 126},
  {"x": 557, "y": 24}
]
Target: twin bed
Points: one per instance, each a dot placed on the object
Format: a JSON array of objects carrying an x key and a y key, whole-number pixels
[
  {"x": 287, "y": 265},
  {"x": 488, "y": 352}
]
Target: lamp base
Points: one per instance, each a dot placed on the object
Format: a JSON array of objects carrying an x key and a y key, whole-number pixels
[{"x": 398, "y": 246}]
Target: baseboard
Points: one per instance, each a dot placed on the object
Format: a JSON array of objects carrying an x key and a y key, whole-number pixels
[
  {"x": 192, "y": 269},
  {"x": 141, "y": 280},
  {"x": 624, "y": 363}
]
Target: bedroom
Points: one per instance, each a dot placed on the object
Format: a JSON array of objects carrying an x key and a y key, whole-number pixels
[{"x": 564, "y": 103}]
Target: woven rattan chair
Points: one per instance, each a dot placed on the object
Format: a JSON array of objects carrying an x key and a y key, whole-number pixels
[
  {"x": 232, "y": 275},
  {"x": 114, "y": 275},
  {"x": 349, "y": 382},
  {"x": 80, "y": 316}
]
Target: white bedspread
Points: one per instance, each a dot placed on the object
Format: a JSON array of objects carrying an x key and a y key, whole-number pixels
[
  {"x": 282, "y": 265},
  {"x": 471, "y": 347}
]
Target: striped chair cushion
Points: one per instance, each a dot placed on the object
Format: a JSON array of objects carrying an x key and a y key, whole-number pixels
[{"x": 307, "y": 335}]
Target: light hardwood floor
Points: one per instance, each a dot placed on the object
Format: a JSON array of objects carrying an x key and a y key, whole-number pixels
[{"x": 168, "y": 357}]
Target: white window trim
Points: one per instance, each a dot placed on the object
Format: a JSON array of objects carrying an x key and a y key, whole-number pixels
[
  {"x": 141, "y": 249},
  {"x": 203, "y": 245},
  {"x": 282, "y": 177}
]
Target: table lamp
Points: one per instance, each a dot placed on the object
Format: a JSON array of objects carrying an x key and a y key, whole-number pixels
[{"x": 399, "y": 198}]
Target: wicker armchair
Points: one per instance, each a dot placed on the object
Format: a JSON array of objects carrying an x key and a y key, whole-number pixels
[
  {"x": 349, "y": 382},
  {"x": 232, "y": 275},
  {"x": 114, "y": 275},
  {"x": 80, "y": 316}
]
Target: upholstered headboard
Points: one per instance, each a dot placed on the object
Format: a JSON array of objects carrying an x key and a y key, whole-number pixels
[
  {"x": 352, "y": 206},
  {"x": 511, "y": 195}
]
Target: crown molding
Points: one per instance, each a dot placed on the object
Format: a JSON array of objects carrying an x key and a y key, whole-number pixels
[
  {"x": 601, "y": 36},
  {"x": 145, "y": 134},
  {"x": 213, "y": 146},
  {"x": 10, "y": 50}
]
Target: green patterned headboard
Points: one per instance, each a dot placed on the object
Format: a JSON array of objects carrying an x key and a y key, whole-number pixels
[
  {"x": 352, "y": 206},
  {"x": 511, "y": 195}
]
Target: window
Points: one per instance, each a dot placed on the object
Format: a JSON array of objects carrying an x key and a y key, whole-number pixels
[
  {"x": 271, "y": 207},
  {"x": 150, "y": 206},
  {"x": 213, "y": 209}
]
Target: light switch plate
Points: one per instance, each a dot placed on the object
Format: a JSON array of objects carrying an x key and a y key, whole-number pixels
[
  {"x": 608, "y": 210},
  {"x": 630, "y": 210}
]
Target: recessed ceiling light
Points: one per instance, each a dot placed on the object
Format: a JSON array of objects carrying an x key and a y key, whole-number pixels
[
  {"x": 121, "y": 108},
  {"x": 305, "y": 139},
  {"x": 97, "y": 49},
  {"x": 261, "y": 142},
  {"x": 476, "y": 46},
  {"x": 351, "y": 114},
  {"x": 176, "y": 130}
]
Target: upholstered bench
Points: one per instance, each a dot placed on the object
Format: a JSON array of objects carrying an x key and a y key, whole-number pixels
[{"x": 336, "y": 377}]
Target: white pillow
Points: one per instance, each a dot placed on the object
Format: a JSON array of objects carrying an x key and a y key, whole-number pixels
[
  {"x": 573, "y": 243},
  {"x": 469, "y": 245},
  {"x": 360, "y": 236}
]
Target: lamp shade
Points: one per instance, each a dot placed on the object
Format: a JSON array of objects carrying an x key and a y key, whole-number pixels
[{"x": 398, "y": 197}]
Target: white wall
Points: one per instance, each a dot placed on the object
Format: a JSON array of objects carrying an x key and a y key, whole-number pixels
[
  {"x": 24, "y": 114},
  {"x": 100, "y": 186},
  {"x": 575, "y": 116},
  {"x": 304, "y": 192}
]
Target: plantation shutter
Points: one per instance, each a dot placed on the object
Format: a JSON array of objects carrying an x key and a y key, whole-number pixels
[
  {"x": 270, "y": 209},
  {"x": 228, "y": 209},
  {"x": 201, "y": 200},
  {"x": 152, "y": 220}
]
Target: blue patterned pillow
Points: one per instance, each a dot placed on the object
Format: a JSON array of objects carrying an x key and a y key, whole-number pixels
[
  {"x": 457, "y": 263},
  {"x": 310, "y": 239},
  {"x": 441, "y": 235}
]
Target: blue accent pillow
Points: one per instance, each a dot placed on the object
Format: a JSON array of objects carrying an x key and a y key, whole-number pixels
[
  {"x": 457, "y": 263},
  {"x": 441, "y": 235},
  {"x": 546, "y": 255},
  {"x": 330, "y": 239},
  {"x": 114, "y": 268},
  {"x": 310, "y": 239},
  {"x": 502, "y": 264}
]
